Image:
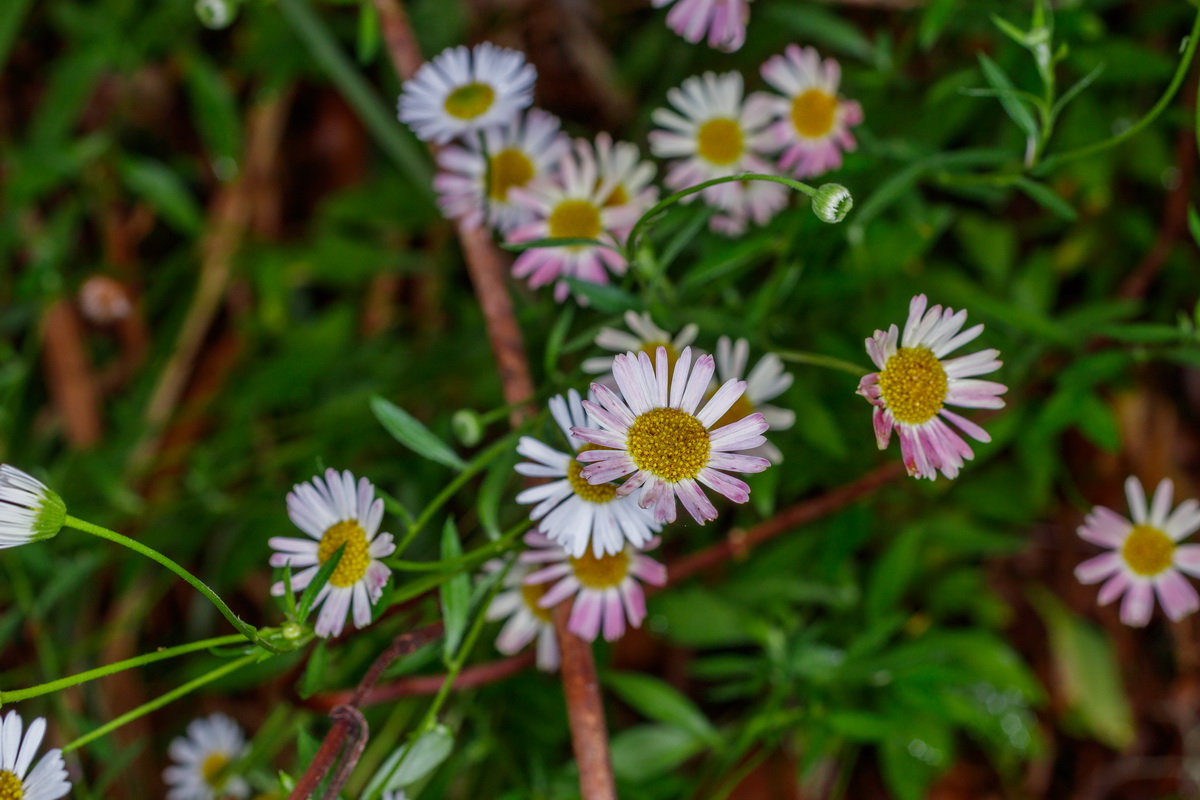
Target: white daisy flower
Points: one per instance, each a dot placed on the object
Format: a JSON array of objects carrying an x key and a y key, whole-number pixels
[
  {"x": 202, "y": 759},
  {"x": 46, "y": 781},
  {"x": 527, "y": 620},
  {"x": 646, "y": 337},
  {"x": 570, "y": 510},
  {"x": 462, "y": 91},
  {"x": 621, "y": 162},
  {"x": 334, "y": 513},
  {"x": 475, "y": 180},
  {"x": 722, "y": 21},
  {"x": 657, "y": 436},
  {"x": 766, "y": 381},
  {"x": 29, "y": 512}
]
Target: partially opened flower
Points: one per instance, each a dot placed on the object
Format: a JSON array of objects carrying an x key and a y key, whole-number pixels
[
  {"x": 201, "y": 761},
  {"x": 766, "y": 381},
  {"x": 722, "y": 21},
  {"x": 334, "y": 512},
  {"x": 475, "y": 182},
  {"x": 572, "y": 511},
  {"x": 29, "y": 511},
  {"x": 607, "y": 589},
  {"x": 914, "y": 385},
  {"x": 518, "y": 603},
  {"x": 644, "y": 337},
  {"x": 657, "y": 436},
  {"x": 1145, "y": 558},
  {"x": 47, "y": 780},
  {"x": 813, "y": 123},
  {"x": 462, "y": 91}
]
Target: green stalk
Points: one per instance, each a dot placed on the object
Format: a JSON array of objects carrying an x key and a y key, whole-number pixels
[
  {"x": 17, "y": 695},
  {"x": 818, "y": 360}
]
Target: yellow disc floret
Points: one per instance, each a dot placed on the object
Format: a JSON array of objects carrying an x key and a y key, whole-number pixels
[
  {"x": 668, "y": 443},
  {"x": 617, "y": 197},
  {"x": 470, "y": 101},
  {"x": 604, "y": 572},
  {"x": 913, "y": 385},
  {"x": 212, "y": 767},
  {"x": 813, "y": 113},
  {"x": 1148, "y": 551},
  {"x": 531, "y": 594},
  {"x": 575, "y": 219},
  {"x": 508, "y": 168},
  {"x": 719, "y": 141},
  {"x": 10, "y": 786},
  {"x": 355, "y": 558},
  {"x": 601, "y": 493}
]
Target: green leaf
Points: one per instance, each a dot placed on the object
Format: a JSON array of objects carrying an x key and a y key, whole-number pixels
[
  {"x": 1079, "y": 86},
  {"x": 318, "y": 582},
  {"x": 455, "y": 594},
  {"x": 1047, "y": 198},
  {"x": 162, "y": 189},
  {"x": 368, "y": 32},
  {"x": 861, "y": 726},
  {"x": 405, "y": 429},
  {"x": 1007, "y": 94},
  {"x": 492, "y": 490},
  {"x": 648, "y": 751},
  {"x": 937, "y": 14},
  {"x": 1010, "y": 30},
  {"x": 1098, "y": 423},
  {"x": 413, "y": 762},
  {"x": 892, "y": 574},
  {"x": 564, "y": 241},
  {"x": 314, "y": 671},
  {"x": 1194, "y": 223},
  {"x": 821, "y": 26},
  {"x": 215, "y": 111},
  {"x": 604, "y": 297},
  {"x": 659, "y": 701}
]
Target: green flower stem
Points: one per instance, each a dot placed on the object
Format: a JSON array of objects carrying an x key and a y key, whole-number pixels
[
  {"x": 159, "y": 702},
  {"x": 247, "y": 630},
  {"x": 426, "y": 583},
  {"x": 1180, "y": 73},
  {"x": 466, "y": 560},
  {"x": 15, "y": 695},
  {"x": 635, "y": 233},
  {"x": 818, "y": 360}
]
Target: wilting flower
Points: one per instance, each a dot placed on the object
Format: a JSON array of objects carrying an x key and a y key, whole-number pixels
[
  {"x": 656, "y": 434},
  {"x": 914, "y": 385},
  {"x": 572, "y": 511},
  {"x": 518, "y": 603},
  {"x": 475, "y": 182},
  {"x": 29, "y": 512},
  {"x": 202, "y": 758},
  {"x": 724, "y": 21},
  {"x": 1145, "y": 558},
  {"x": 813, "y": 123},
  {"x": 46, "y": 781},
  {"x": 608, "y": 587},
  {"x": 573, "y": 204},
  {"x": 462, "y": 91},
  {"x": 766, "y": 381},
  {"x": 335, "y": 513},
  {"x": 646, "y": 337}
]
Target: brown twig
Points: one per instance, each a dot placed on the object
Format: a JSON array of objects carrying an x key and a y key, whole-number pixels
[
  {"x": 69, "y": 374},
  {"x": 585, "y": 711}
]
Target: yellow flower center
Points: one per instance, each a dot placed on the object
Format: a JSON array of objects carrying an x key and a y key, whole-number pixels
[
  {"x": 813, "y": 113},
  {"x": 575, "y": 219},
  {"x": 602, "y": 493},
  {"x": 913, "y": 385},
  {"x": 740, "y": 409},
  {"x": 212, "y": 767},
  {"x": 355, "y": 558},
  {"x": 668, "y": 443},
  {"x": 470, "y": 101},
  {"x": 509, "y": 168},
  {"x": 531, "y": 595},
  {"x": 617, "y": 197},
  {"x": 1147, "y": 550},
  {"x": 10, "y": 786},
  {"x": 605, "y": 572},
  {"x": 719, "y": 141}
]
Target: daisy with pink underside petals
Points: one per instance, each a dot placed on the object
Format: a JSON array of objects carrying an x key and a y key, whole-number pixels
[
  {"x": 1145, "y": 558},
  {"x": 656, "y": 435},
  {"x": 913, "y": 386},
  {"x": 336, "y": 512},
  {"x": 525, "y": 619},
  {"x": 813, "y": 123},
  {"x": 607, "y": 589},
  {"x": 723, "y": 21}
]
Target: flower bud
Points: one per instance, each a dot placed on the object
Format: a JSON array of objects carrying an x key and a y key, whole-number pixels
[
  {"x": 29, "y": 512},
  {"x": 216, "y": 14},
  {"x": 468, "y": 427},
  {"x": 832, "y": 202}
]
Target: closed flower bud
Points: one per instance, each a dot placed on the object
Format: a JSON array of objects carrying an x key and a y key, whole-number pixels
[
  {"x": 832, "y": 202},
  {"x": 216, "y": 14},
  {"x": 29, "y": 512},
  {"x": 468, "y": 427}
]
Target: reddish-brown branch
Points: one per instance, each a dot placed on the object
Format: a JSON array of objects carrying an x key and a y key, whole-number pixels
[
  {"x": 585, "y": 711},
  {"x": 69, "y": 374}
]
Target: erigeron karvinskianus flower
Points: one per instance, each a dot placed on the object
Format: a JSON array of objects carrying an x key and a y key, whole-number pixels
[
  {"x": 526, "y": 620},
  {"x": 569, "y": 510},
  {"x": 812, "y": 123},
  {"x": 607, "y": 589},
  {"x": 462, "y": 91},
  {"x": 29, "y": 511},
  {"x": 476, "y": 180},
  {"x": 632, "y": 178},
  {"x": 654, "y": 433},
  {"x": 573, "y": 204},
  {"x": 202, "y": 758},
  {"x": 334, "y": 512},
  {"x": 722, "y": 21},
  {"x": 914, "y": 385},
  {"x": 714, "y": 132},
  {"x": 47, "y": 780},
  {"x": 1144, "y": 557},
  {"x": 644, "y": 337},
  {"x": 765, "y": 382}
]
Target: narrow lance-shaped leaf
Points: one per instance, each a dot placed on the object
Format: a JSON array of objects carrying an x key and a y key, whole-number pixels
[
  {"x": 318, "y": 582},
  {"x": 408, "y": 431},
  {"x": 455, "y": 594},
  {"x": 1007, "y": 94}
]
